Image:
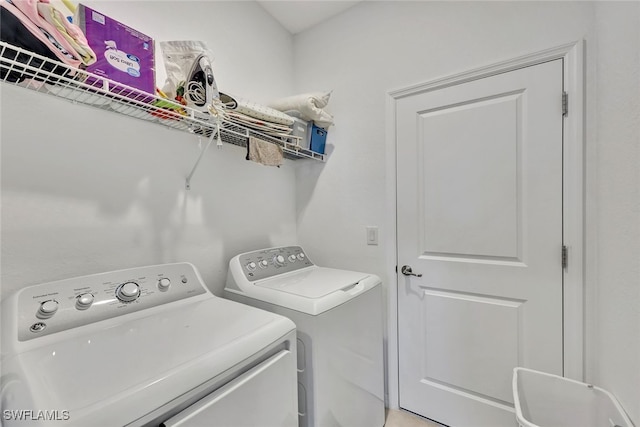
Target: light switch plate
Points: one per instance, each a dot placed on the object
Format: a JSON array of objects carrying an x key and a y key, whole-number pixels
[{"x": 372, "y": 235}]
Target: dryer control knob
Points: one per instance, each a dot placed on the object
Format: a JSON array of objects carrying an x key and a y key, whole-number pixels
[
  {"x": 47, "y": 309},
  {"x": 164, "y": 283},
  {"x": 279, "y": 261},
  {"x": 292, "y": 258},
  {"x": 128, "y": 292},
  {"x": 264, "y": 263},
  {"x": 251, "y": 266},
  {"x": 84, "y": 301},
  {"x": 301, "y": 256}
]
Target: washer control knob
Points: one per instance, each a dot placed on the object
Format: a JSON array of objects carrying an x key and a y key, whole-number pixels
[
  {"x": 279, "y": 261},
  {"x": 47, "y": 309},
  {"x": 251, "y": 266},
  {"x": 164, "y": 283},
  {"x": 84, "y": 301},
  {"x": 128, "y": 292},
  {"x": 292, "y": 258},
  {"x": 264, "y": 263},
  {"x": 301, "y": 256}
]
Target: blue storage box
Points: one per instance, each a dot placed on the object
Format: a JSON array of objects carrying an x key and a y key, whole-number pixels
[{"x": 318, "y": 139}]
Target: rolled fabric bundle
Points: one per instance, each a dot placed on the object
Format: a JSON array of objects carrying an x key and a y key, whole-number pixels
[{"x": 310, "y": 106}]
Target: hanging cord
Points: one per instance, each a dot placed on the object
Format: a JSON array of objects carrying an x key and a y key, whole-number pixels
[
  {"x": 216, "y": 109},
  {"x": 196, "y": 92},
  {"x": 219, "y": 140}
]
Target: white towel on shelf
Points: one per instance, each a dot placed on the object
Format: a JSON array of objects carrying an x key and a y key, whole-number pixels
[
  {"x": 263, "y": 152},
  {"x": 309, "y": 105}
]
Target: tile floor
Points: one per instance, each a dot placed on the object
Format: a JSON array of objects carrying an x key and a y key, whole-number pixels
[{"x": 399, "y": 418}]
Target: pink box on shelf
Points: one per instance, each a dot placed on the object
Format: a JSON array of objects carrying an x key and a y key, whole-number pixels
[{"x": 124, "y": 54}]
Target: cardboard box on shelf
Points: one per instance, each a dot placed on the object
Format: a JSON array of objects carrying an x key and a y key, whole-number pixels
[{"x": 124, "y": 54}]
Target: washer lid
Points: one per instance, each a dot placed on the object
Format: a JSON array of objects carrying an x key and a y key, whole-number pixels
[{"x": 313, "y": 282}]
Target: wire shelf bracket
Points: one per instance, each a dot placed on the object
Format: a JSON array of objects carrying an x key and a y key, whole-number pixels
[{"x": 195, "y": 166}]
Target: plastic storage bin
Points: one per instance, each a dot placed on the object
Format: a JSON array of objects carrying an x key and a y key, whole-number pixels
[
  {"x": 546, "y": 400},
  {"x": 302, "y": 130},
  {"x": 318, "y": 139}
]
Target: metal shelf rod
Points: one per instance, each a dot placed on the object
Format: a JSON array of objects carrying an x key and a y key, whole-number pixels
[{"x": 202, "y": 151}]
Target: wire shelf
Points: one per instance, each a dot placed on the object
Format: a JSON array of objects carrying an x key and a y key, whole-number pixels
[{"x": 26, "y": 69}]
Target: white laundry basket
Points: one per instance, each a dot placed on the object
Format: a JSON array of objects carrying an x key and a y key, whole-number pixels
[{"x": 546, "y": 400}]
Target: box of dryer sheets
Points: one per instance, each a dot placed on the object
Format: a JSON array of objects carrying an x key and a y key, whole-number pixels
[{"x": 123, "y": 54}]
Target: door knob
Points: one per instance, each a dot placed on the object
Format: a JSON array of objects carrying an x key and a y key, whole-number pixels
[{"x": 406, "y": 270}]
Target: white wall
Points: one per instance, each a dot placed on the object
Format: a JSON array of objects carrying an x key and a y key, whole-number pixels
[
  {"x": 615, "y": 350},
  {"x": 376, "y": 47},
  {"x": 86, "y": 191}
]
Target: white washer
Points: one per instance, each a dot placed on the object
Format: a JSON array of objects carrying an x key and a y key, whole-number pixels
[
  {"x": 147, "y": 346},
  {"x": 338, "y": 315}
]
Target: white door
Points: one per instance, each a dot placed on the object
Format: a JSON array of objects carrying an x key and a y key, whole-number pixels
[{"x": 479, "y": 215}]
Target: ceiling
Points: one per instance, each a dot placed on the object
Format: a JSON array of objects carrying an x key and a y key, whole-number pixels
[{"x": 299, "y": 15}]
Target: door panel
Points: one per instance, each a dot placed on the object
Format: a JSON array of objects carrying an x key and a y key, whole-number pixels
[
  {"x": 476, "y": 214},
  {"x": 479, "y": 214},
  {"x": 489, "y": 329}
]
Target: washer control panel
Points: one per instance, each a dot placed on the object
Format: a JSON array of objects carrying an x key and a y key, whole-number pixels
[
  {"x": 65, "y": 304},
  {"x": 271, "y": 262}
]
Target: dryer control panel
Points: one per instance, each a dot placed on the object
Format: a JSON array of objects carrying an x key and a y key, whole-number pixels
[
  {"x": 65, "y": 304},
  {"x": 271, "y": 262}
]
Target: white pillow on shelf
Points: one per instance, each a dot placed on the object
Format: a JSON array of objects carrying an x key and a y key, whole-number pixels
[{"x": 310, "y": 106}]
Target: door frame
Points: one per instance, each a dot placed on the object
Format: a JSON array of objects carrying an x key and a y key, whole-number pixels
[{"x": 573, "y": 199}]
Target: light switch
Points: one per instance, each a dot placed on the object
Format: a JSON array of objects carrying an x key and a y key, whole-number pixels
[{"x": 372, "y": 235}]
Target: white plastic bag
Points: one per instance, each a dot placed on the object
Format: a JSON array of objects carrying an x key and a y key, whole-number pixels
[{"x": 190, "y": 77}]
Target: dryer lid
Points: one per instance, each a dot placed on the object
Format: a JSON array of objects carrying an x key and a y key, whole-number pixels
[
  {"x": 314, "y": 282},
  {"x": 123, "y": 368}
]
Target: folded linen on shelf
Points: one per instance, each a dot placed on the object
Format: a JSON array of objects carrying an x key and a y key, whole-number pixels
[
  {"x": 268, "y": 128},
  {"x": 264, "y": 152},
  {"x": 59, "y": 33},
  {"x": 262, "y": 112},
  {"x": 255, "y": 110},
  {"x": 309, "y": 105},
  {"x": 71, "y": 32},
  {"x": 18, "y": 30}
]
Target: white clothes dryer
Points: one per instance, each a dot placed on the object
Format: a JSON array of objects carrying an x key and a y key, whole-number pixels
[
  {"x": 338, "y": 316},
  {"x": 148, "y": 346}
]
